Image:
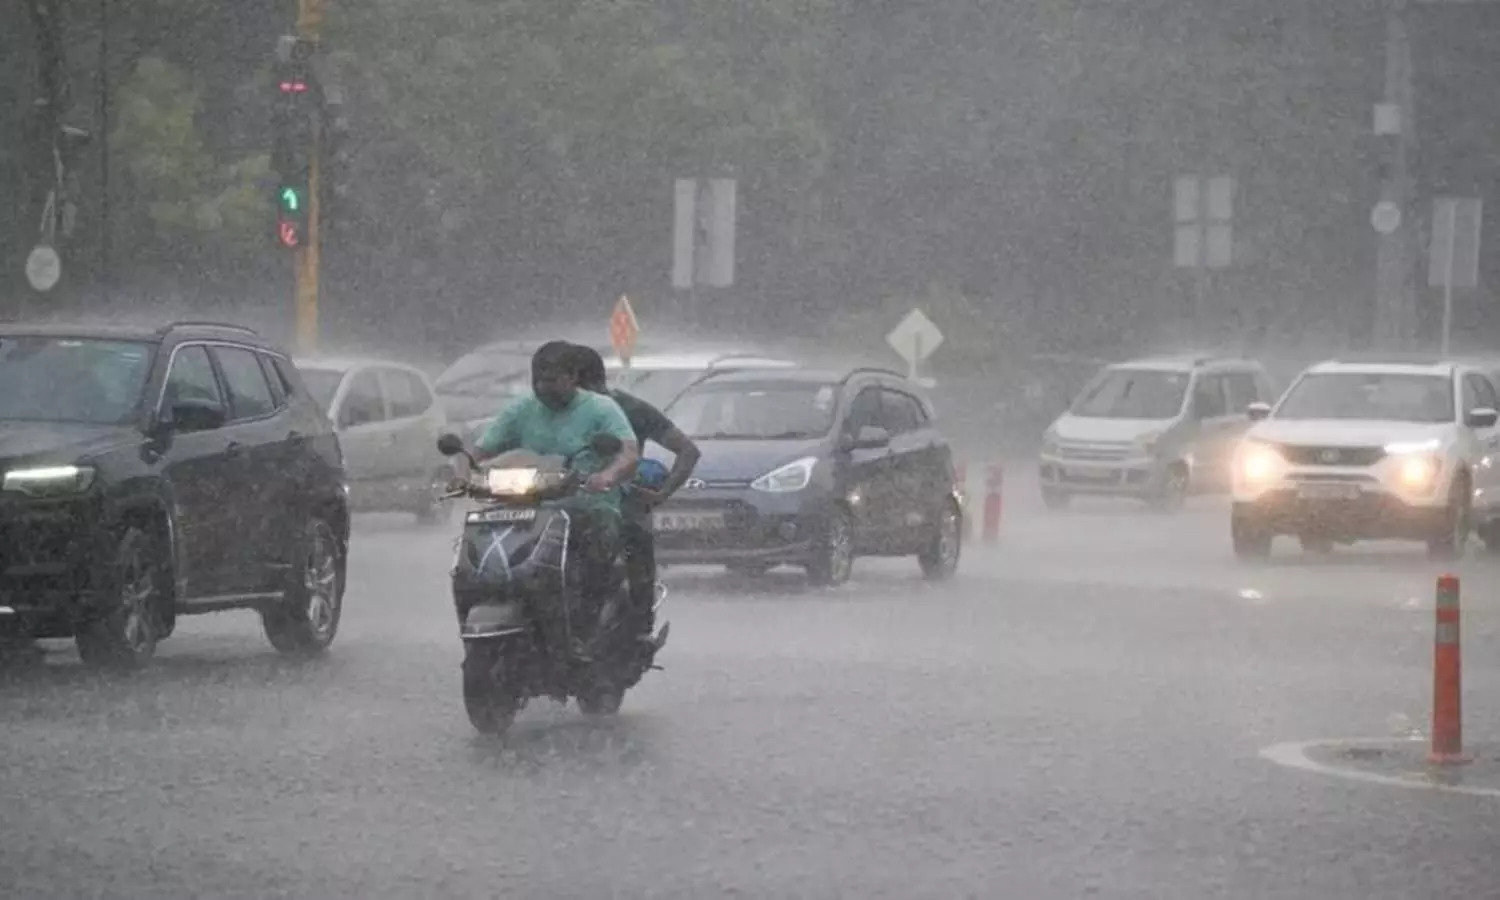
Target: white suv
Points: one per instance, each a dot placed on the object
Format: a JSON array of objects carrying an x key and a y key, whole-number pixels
[{"x": 1377, "y": 450}]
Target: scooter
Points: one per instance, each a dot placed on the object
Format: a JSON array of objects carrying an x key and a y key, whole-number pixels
[{"x": 527, "y": 625}]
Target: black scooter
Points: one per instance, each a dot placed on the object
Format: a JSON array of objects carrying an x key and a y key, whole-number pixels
[{"x": 528, "y": 628}]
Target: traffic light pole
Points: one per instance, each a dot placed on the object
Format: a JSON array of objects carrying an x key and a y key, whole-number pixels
[{"x": 309, "y": 27}]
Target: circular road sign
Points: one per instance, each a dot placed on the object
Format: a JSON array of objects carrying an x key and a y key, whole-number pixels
[
  {"x": 43, "y": 268},
  {"x": 1385, "y": 217}
]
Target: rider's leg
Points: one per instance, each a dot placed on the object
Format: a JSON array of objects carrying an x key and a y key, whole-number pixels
[{"x": 640, "y": 568}]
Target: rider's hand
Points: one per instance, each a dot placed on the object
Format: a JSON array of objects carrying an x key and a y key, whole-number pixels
[
  {"x": 457, "y": 483},
  {"x": 598, "y": 483}
]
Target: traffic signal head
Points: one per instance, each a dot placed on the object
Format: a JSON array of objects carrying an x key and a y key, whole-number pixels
[{"x": 291, "y": 215}]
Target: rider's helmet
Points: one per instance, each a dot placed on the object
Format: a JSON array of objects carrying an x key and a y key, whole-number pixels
[{"x": 650, "y": 473}]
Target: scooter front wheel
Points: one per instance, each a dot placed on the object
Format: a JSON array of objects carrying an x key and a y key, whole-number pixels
[{"x": 490, "y": 701}]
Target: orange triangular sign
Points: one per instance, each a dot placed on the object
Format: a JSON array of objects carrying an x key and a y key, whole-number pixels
[{"x": 623, "y": 329}]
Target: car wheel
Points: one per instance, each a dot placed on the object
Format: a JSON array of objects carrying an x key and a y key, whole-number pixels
[
  {"x": 1490, "y": 535},
  {"x": 1251, "y": 539},
  {"x": 305, "y": 623},
  {"x": 432, "y": 509},
  {"x": 1452, "y": 536},
  {"x": 601, "y": 701},
  {"x": 1314, "y": 544},
  {"x": 833, "y": 560},
  {"x": 124, "y": 632},
  {"x": 490, "y": 704},
  {"x": 940, "y": 559},
  {"x": 1174, "y": 489},
  {"x": 1056, "y": 499}
]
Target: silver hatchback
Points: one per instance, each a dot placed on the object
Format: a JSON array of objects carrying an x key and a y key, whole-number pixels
[{"x": 388, "y": 421}]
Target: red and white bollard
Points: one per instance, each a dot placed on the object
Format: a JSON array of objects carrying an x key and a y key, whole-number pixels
[
  {"x": 1447, "y": 679},
  {"x": 994, "y": 489}
]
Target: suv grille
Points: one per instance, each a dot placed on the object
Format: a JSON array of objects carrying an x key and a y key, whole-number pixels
[{"x": 1332, "y": 456}]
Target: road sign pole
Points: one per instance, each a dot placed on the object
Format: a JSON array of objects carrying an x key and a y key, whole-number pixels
[{"x": 1448, "y": 276}]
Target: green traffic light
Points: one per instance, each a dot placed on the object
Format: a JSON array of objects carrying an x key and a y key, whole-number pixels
[{"x": 289, "y": 199}]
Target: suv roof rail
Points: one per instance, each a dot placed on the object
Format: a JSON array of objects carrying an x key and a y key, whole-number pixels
[{"x": 207, "y": 323}]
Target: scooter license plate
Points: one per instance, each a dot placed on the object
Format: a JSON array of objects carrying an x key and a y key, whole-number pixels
[{"x": 502, "y": 515}]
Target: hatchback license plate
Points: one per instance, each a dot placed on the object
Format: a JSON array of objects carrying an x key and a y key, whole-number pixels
[
  {"x": 1328, "y": 491},
  {"x": 688, "y": 521}
]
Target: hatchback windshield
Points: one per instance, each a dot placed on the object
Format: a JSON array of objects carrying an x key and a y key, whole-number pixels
[
  {"x": 322, "y": 384},
  {"x": 54, "y": 379},
  {"x": 1377, "y": 396},
  {"x": 1133, "y": 394},
  {"x": 766, "y": 410}
]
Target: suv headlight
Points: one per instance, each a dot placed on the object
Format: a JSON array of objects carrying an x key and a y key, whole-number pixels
[
  {"x": 45, "y": 481},
  {"x": 1419, "y": 473},
  {"x": 1256, "y": 463},
  {"x": 794, "y": 476}
]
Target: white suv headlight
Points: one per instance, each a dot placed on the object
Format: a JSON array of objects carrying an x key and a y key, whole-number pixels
[
  {"x": 1256, "y": 463},
  {"x": 54, "y": 480},
  {"x": 794, "y": 476}
]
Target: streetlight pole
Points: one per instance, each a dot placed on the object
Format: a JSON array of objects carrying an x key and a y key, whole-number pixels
[{"x": 1395, "y": 309}]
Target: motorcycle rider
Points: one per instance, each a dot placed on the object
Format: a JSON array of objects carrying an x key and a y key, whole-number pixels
[
  {"x": 648, "y": 423},
  {"x": 559, "y": 419}
]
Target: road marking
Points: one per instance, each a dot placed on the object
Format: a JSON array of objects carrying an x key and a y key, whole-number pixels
[{"x": 1293, "y": 755}]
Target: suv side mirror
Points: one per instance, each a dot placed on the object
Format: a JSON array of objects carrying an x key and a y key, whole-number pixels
[
  {"x": 1258, "y": 410},
  {"x": 1482, "y": 417},
  {"x": 187, "y": 416}
]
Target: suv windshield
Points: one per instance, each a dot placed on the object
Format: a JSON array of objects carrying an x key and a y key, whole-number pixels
[
  {"x": 1376, "y": 396},
  {"x": 768, "y": 410},
  {"x": 56, "y": 379},
  {"x": 1133, "y": 394},
  {"x": 322, "y": 384}
]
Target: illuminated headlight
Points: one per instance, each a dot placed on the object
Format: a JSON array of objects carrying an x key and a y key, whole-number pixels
[
  {"x": 794, "y": 476},
  {"x": 50, "y": 480},
  {"x": 1258, "y": 463},
  {"x": 1419, "y": 472},
  {"x": 511, "y": 481}
]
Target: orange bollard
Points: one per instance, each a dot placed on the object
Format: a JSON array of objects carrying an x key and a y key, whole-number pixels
[
  {"x": 994, "y": 487},
  {"x": 1447, "y": 679}
]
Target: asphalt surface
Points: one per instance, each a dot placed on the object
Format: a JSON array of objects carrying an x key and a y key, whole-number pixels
[{"x": 1079, "y": 714}]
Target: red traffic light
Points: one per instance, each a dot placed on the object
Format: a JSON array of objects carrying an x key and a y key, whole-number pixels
[
  {"x": 289, "y": 234},
  {"x": 294, "y": 86}
]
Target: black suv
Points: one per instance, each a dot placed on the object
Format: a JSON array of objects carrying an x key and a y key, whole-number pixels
[
  {"x": 153, "y": 474},
  {"x": 812, "y": 468}
]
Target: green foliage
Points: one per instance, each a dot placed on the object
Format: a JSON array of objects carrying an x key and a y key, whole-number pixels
[{"x": 191, "y": 202}]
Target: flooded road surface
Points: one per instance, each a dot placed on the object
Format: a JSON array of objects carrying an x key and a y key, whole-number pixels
[{"x": 1079, "y": 714}]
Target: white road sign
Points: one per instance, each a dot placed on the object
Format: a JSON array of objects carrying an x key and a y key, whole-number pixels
[
  {"x": 43, "y": 268},
  {"x": 915, "y": 338},
  {"x": 1385, "y": 217}
]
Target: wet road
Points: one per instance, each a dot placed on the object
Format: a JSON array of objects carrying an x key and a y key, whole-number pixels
[{"x": 1078, "y": 715}]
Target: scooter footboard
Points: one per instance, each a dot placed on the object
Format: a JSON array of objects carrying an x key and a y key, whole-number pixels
[{"x": 490, "y": 620}]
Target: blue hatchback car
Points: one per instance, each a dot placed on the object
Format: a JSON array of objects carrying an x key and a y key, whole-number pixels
[{"x": 812, "y": 468}]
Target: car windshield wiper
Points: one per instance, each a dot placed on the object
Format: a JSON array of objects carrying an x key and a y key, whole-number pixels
[{"x": 784, "y": 436}]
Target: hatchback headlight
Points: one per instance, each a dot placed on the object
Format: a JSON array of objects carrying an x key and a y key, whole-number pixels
[
  {"x": 50, "y": 480},
  {"x": 794, "y": 476}
]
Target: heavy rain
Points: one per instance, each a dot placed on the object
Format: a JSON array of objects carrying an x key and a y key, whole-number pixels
[{"x": 611, "y": 448}]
